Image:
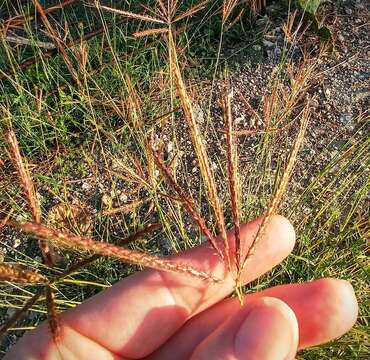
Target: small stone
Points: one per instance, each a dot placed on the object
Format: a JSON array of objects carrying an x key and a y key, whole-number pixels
[
  {"x": 86, "y": 186},
  {"x": 16, "y": 243},
  {"x": 20, "y": 218},
  {"x": 123, "y": 198},
  {"x": 194, "y": 170},
  {"x": 340, "y": 37},
  {"x": 116, "y": 164},
  {"x": 268, "y": 44},
  {"x": 198, "y": 113},
  {"x": 239, "y": 120},
  {"x": 327, "y": 92},
  {"x": 10, "y": 312},
  {"x": 106, "y": 200},
  {"x": 345, "y": 118},
  {"x": 169, "y": 147},
  {"x": 362, "y": 94}
]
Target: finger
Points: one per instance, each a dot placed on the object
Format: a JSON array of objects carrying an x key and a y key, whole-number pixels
[
  {"x": 325, "y": 309},
  {"x": 138, "y": 314},
  {"x": 265, "y": 330}
]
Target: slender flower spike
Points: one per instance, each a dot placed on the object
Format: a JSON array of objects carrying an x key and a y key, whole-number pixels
[
  {"x": 28, "y": 190},
  {"x": 280, "y": 190},
  {"x": 200, "y": 149},
  {"x": 107, "y": 249},
  {"x": 232, "y": 174},
  {"x": 15, "y": 274},
  {"x": 188, "y": 203}
]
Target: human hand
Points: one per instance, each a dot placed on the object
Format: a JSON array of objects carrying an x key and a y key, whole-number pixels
[{"x": 161, "y": 315}]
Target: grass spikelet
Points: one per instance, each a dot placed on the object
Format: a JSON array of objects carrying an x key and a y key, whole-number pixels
[
  {"x": 15, "y": 274},
  {"x": 281, "y": 188},
  {"x": 231, "y": 151},
  {"x": 162, "y": 9},
  {"x": 129, "y": 14},
  {"x": 188, "y": 203},
  {"x": 200, "y": 149},
  {"x": 150, "y": 32},
  {"x": 106, "y": 249},
  {"x": 227, "y": 7},
  {"x": 128, "y": 240},
  {"x": 28, "y": 189},
  {"x": 23, "y": 176},
  {"x": 191, "y": 11}
]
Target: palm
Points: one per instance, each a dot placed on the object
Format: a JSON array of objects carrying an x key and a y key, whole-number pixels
[{"x": 157, "y": 315}]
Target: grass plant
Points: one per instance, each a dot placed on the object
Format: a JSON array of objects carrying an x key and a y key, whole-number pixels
[{"x": 113, "y": 114}]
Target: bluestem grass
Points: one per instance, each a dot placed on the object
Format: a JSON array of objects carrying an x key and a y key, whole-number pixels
[
  {"x": 16, "y": 274},
  {"x": 188, "y": 203},
  {"x": 28, "y": 189},
  {"x": 280, "y": 190},
  {"x": 231, "y": 151},
  {"x": 106, "y": 249}
]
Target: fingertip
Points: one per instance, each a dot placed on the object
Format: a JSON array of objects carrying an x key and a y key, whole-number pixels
[
  {"x": 334, "y": 311},
  {"x": 263, "y": 329},
  {"x": 269, "y": 331},
  {"x": 285, "y": 230},
  {"x": 343, "y": 300}
]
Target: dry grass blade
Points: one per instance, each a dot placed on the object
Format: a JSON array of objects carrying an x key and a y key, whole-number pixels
[
  {"x": 58, "y": 42},
  {"x": 129, "y": 14},
  {"x": 162, "y": 9},
  {"x": 236, "y": 19},
  {"x": 232, "y": 174},
  {"x": 19, "y": 40},
  {"x": 17, "y": 21},
  {"x": 134, "y": 103},
  {"x": 246, "y": 102},
  {"x": 200, "y": 149},
  {"x": 106, "y": 249},
  {"x": 17, "y": 275},
  {"x": 4, "y": 220},
  {"x": 188, "y": 203},
  {"x": 136, "y": 236},
  {"x": 280, "y": 190},
  {"x": 190, "y": 12},
  {"x": 150, "y": 32},
  {"x": 257, "y": 5},
  {"x": 227, "y": 7},
  {"x": 52, "y": 314},
  {"x": 17, "y": 315}
]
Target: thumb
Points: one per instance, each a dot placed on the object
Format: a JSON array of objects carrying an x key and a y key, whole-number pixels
[{"x": 265, "y": 329}]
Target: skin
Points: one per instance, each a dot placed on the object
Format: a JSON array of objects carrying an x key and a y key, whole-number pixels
[{"x": 162, "y": 315}]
